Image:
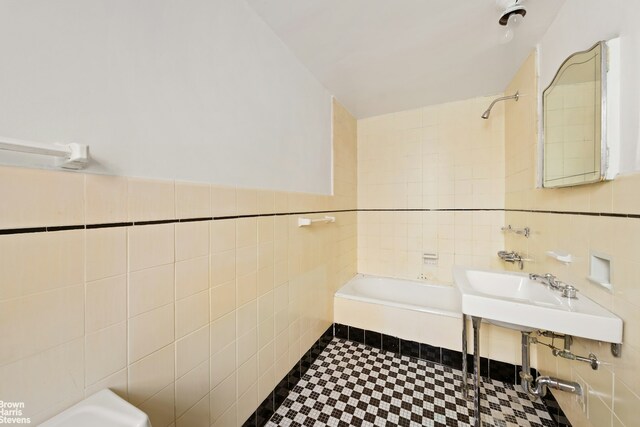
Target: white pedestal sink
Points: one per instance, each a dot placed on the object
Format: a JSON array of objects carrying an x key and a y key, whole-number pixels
[{"x": 514, "y": 300}]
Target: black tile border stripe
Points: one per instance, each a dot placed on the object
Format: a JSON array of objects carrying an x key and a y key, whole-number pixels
[
  {"x": 496, "y": 370},
  {"x": 554, "y": 409},
  {"x": 23, "y": 230},
  {"x": 430, "y": 210},
  {"x": 539, "y": 211},
  {"x": 66, "y": 227},
  {"x": 267, "y": 408},
  {"x": 215, "y": 218},
  {"x": 156, "y": 222},
  {"x": 109, "y": 225},
  {"x": 208, "y": 218},
  {"x": 26, "y": 230},
  {"x": 580, "y": 213}
]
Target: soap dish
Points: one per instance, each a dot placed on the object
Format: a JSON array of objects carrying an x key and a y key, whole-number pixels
[{"x": 563, "y": 257}]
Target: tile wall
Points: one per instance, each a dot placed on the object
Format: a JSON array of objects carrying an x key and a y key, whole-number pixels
[
  {"x": 430, "y": 180},
  {"x": 195, "y": 322},
  {"x": 613, "y": 391}
]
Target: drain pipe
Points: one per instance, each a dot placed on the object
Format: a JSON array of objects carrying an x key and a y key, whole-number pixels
[{"x": 539, "y": 388}]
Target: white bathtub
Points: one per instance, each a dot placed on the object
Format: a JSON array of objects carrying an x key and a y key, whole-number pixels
[
  {"x": 420, "y": 311},
  {"x": 426, "y": 297}
]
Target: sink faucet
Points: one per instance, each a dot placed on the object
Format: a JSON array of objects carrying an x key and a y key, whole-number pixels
[
  {"x": 568, "y": 291},
  {"x": 512, "y": 257},
  {"x": 547, "y": 278}
]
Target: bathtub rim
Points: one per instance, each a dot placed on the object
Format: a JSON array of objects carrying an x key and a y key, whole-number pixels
[{"x": 418, "y": 308}]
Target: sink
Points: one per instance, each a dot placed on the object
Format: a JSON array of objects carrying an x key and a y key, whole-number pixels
[{"x": 513, "y": 300}]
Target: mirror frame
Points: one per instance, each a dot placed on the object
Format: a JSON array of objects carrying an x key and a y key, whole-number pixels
[{"x": 603, "y": 116}]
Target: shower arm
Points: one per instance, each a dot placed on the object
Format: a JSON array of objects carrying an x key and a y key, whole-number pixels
[{"x": 515, "y": 96}]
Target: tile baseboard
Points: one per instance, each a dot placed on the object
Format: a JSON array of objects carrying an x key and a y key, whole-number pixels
[
  {"x": 275, "y": 398},
  {"x": 494, "y": 369}
]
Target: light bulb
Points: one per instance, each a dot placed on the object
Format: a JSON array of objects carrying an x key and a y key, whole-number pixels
[
  {"x": 510, "y": 29},
  {"x": 507, "y": 36},
  {"x": 514, "y": 21}
]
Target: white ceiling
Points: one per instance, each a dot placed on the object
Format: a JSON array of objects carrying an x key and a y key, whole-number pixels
[{"x": 381, "y": 56}]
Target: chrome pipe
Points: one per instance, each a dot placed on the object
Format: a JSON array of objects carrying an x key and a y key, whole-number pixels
[
  {"x": 592, "y": 360},
  {"x": 544, "y": 382},
  {"x": 465, "y": 370},
  {"x": 485, "y": 115},
  {"x": 538, "y": 388},
  {"x": 525, "y": 374},
  {"x": 476, "y": 370}
]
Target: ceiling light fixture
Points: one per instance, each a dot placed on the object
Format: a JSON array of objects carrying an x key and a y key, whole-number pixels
[{"x": 511, "y": 17}]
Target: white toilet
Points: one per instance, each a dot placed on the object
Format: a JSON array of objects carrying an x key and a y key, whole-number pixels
[{"x": 103, "y": 409}]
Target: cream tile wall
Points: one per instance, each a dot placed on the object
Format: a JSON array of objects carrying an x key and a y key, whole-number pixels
[
  {"x": 194, "y": 322},
  {"x": 430, "y": 180},
  {"x": 613, "y": 391}
]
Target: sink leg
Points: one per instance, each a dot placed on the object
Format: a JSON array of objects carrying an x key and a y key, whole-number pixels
[
  {"x": 476, "y": 370},
  {"x": 465, "y": 370}
]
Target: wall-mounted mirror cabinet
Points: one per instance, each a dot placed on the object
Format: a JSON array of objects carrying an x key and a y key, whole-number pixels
[{"x": 577, "y": 119}]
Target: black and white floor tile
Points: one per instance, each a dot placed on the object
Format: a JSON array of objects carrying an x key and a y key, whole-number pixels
[{"x": 351, "y": 384}]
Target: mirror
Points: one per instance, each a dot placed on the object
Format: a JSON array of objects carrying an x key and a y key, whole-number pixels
[{"x": 574, "y": 127}]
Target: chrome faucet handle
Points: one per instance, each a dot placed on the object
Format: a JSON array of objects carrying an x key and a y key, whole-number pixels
[
  {"x": 568, "y": 291},
  {"x": 553, "y": 281},
  {"x": 542, "y": 277},
  {"x": 513, "y": 257},
  {"x": 547, "y": 279}
]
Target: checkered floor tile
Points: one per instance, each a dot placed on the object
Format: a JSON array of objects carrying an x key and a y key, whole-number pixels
[{"x": 352, "y": 384}]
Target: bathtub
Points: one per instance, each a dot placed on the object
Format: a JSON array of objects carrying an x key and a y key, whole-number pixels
[
  {"x": 425, "y": 297},
  {"x": 425, "y": 312}
]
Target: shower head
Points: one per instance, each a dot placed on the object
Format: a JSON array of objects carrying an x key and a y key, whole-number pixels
[{"x": 487, "y": 112}]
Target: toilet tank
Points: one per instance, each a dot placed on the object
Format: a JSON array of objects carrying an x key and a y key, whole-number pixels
[{"x": 103, "y": 409}]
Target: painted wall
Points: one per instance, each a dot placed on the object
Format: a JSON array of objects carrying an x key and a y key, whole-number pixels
[
  {"x": 202, "y": 92},
  {"x": 193, "y": 322},
  {"x": 601, "y": 20},
  {"x": 612, "y": 393}
]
